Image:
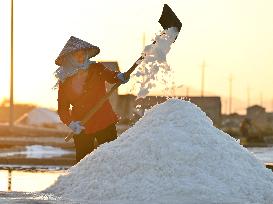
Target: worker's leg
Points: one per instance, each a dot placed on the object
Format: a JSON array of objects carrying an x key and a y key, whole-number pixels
[
  {"x": 107, "y": 135},
  {"x": 84, "y": 144}
]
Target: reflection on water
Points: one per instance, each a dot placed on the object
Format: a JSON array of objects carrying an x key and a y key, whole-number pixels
[
  {"x": 27, "y": 180},
  {"x": 4, "y": 180}
]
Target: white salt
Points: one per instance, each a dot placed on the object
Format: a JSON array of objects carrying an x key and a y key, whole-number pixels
[
  {"x": 174, "y": 154},
  {"x": 38, "y": 151},
  {"x": 40, "y": 116},
  {"x": 154, "y": 61}
]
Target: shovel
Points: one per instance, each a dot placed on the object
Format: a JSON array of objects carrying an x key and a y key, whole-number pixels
[{"x": 167, "y": 20}]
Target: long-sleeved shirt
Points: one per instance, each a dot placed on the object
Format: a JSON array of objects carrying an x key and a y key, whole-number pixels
[{"x": 92, "y": 91}]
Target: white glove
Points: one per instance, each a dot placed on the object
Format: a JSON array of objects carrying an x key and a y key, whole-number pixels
[{"x": 76, "y": 127}]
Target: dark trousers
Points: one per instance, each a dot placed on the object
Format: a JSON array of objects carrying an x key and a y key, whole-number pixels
[{"x": 84, "y": 143}]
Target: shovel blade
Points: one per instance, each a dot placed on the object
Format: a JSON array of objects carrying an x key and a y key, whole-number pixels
[{"x": 168, "y": 19}]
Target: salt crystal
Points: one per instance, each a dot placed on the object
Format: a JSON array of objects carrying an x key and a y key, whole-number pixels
[{"x": 155, "y": 61}]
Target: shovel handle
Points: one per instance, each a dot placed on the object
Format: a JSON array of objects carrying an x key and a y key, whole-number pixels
[
  {"x": 69, "y": 136},
  {"x": 129, "y": 72}
]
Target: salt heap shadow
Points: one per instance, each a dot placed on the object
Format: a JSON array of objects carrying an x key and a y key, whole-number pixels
[{"x": 173, "y": 154}]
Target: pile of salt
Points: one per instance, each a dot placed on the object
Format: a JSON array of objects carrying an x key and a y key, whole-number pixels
[{"x": 174, "y": 154}]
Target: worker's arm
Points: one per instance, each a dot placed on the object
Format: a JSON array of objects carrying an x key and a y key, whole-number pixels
[
  {"x": 63, "y": 106},
  {"x": 110, "y": 76}
]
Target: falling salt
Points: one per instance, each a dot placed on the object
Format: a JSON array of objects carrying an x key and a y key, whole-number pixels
[
  {"x": 173, "y": 154},
  {"x": 154, "y": 61}
]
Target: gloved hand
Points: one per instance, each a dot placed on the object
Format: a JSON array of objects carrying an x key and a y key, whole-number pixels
[
  {"x": 76, "y": 127},
  {"x": 122, "y": 78}
]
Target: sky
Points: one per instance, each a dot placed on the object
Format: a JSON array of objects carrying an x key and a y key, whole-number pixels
[{"x": 233, "y": 38}]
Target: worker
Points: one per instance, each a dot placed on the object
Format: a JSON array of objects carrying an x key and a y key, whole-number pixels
[
  {"x": 244, "y": 127},
  {"x": 81, "y": 84}
]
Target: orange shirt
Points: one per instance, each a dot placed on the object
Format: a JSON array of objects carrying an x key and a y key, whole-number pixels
[{"x": 93, "y": 90}]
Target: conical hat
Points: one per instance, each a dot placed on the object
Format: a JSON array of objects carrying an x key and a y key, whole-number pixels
[{"x": 75, "y": 44}]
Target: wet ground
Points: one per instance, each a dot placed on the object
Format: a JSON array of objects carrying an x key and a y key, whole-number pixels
[
  {"x": 37, "y": 155},
  {"x": 23, "y": 184}
]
